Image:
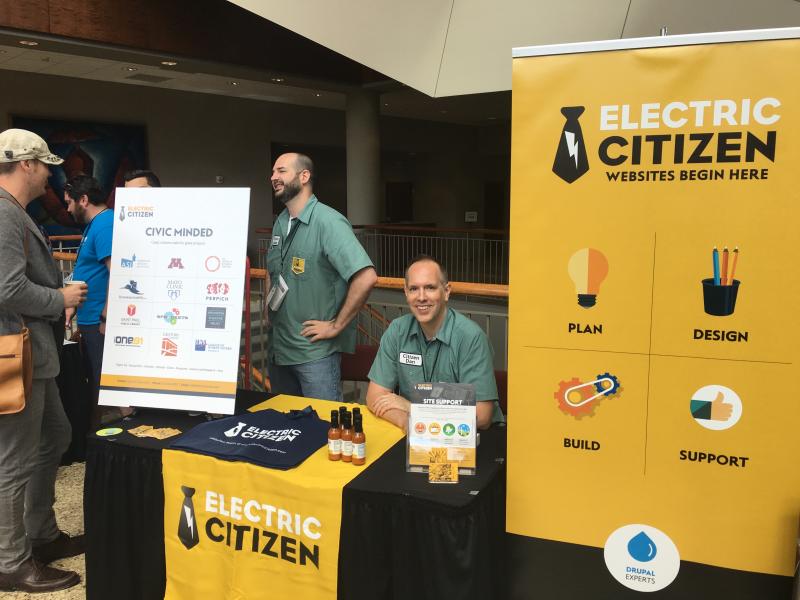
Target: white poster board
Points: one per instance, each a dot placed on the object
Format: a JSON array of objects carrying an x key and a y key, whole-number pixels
[{"x": 175, "y": 298}]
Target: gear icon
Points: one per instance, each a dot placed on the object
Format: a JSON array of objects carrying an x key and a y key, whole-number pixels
[
  {"x": 585, "y": 392},
  {"x": 603, "y": 386}
]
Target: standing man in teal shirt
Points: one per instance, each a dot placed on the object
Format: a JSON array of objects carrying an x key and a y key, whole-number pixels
[
  {"x": 86, "y": 202},
  {"x": 320, "y": 276},
  {"x": 432, "y": 344}
]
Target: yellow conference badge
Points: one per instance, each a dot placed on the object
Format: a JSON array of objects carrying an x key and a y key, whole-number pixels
[{"x": 298, "y": 265}]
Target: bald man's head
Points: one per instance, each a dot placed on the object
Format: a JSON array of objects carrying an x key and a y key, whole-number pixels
[{"x": 292, "y": 174}]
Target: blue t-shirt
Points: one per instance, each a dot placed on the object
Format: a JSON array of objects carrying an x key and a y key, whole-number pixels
[
  {"x": 91, "y": 267},
  {"x": 269, "y": 438}
]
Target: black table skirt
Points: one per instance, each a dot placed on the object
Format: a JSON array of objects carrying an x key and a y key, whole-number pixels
[
  {"x": 401, "y": 537},
  {"x": 123, "y": 502},
  {"x": 74, "y": 391}
]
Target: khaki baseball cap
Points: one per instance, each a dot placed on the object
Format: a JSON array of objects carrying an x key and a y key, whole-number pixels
[{"x": 20, "y": 144}]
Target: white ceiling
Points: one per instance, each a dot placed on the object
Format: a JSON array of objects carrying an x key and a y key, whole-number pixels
[
  {"x": 453, "y": 47},
  {"x": 448, "y": 52},
  {"x": 73, "y": 58},
  {"x": 144, "y": 69}
]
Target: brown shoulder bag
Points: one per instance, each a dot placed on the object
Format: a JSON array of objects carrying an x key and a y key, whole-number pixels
[
  {"x": 16, "y": 371},
  {"x": 16, "y": 365}
]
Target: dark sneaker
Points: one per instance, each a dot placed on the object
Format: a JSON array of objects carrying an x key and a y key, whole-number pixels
[
  {"x": 35, "y": 578},
  {"x": 63, "y": 546}
]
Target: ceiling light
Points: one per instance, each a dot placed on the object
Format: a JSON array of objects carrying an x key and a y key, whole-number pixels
[
  {"x": 168, "y": 63},
  {"x": 317, "y": 94},
  {"x": 130, "y": 69},
  {"x": 277, "y": 79},
  {"x": 492, "y": 118},
  {"x": 28, "y": 43},
  {"x": 234, "y": 83}
]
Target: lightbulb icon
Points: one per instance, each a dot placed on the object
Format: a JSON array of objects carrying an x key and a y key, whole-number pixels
[{"x": 587, "y": 268}]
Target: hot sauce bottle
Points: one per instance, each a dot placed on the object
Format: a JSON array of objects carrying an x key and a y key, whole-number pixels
[
  {"x": 342, "y": 413},
  {"x": 359, "y": 442},
  {"x": 334, "y": 438},
  {"x": 347, "y": 439}
]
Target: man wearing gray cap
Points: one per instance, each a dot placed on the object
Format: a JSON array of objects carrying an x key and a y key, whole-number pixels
[{"x": 32, "y": 440}]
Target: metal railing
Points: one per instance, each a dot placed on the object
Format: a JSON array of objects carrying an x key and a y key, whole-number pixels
[
  {"x": 474, "y": 255},
  {"x": 375, "y": 317},
  {"x": 372, "y": 320},
  {"x": 65, "y": 243}
]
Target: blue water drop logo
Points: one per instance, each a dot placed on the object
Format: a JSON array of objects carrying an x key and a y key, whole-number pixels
[{"x": 642, "y": 548}]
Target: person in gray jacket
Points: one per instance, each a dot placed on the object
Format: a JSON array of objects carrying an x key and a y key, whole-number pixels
[{"x": 33, "y": 440}]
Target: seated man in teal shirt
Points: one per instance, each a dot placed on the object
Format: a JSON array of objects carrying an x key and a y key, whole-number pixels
[{"x": 432, "y": 344}]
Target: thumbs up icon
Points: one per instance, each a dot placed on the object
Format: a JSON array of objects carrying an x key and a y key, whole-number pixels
[{"x": 716, "y": 407}]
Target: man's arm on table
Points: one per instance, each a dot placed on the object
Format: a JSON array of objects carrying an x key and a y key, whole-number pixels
[
  {"x": 394, "y": 408},
  {"x": 387, "y": 405},
  {"x": 483, "y": 412}
]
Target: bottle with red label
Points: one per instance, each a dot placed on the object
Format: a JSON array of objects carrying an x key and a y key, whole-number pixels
[
  {"x": 359, "y": 442},
  {"x": 334, "y": 438},
  {"x": 347, "y": 439}
]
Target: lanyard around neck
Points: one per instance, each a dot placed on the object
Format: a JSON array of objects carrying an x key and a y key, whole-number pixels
[
  {"x": 428, "y": 377},
  {"x": 86, "y": 233},
  {"x": 289, "y": 239}
]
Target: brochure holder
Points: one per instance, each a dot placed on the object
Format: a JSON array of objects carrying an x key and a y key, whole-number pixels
[{"x": 442, "y": 427}]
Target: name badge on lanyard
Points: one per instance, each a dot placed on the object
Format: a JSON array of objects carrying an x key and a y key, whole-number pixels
[{"x": 414, "y": 360}]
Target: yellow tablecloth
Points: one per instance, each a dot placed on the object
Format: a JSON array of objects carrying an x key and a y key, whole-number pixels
[{"x": 262, "y": 532}]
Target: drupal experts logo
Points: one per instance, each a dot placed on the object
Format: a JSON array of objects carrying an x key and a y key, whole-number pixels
[{"x": 642, "y": 558}]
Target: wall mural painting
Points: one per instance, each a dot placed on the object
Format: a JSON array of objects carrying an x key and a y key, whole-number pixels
[{"x": 104, "y": 151}]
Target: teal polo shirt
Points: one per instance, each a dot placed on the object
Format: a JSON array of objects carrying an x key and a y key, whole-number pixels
[
  {"x": 458, "y": 353},
  {"x": 317, "y": 260},
  {"x": 90, "y": 266}
]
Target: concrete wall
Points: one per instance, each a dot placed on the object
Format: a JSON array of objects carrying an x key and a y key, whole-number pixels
[{"x": 194, "y": 137}]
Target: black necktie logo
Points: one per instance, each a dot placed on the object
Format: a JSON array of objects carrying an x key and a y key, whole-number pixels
[
  {"x": 187, "y": 525},
  {"x": 571, "y": 161}
]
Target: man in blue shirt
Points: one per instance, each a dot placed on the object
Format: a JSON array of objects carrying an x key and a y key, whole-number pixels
[{"x": 86, "y": 202}]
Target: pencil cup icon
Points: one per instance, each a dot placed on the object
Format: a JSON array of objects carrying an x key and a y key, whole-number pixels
[{"x": 719, "y": 300}]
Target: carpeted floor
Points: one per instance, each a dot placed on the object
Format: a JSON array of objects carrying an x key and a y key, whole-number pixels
[{"x": 69, "y": 510}]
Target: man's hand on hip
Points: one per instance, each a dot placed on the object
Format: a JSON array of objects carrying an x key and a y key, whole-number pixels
[{"x": 319, "y": 330}]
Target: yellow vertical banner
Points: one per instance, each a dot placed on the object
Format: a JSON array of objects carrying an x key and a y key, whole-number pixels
[{"x": 654, "y": 286}]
